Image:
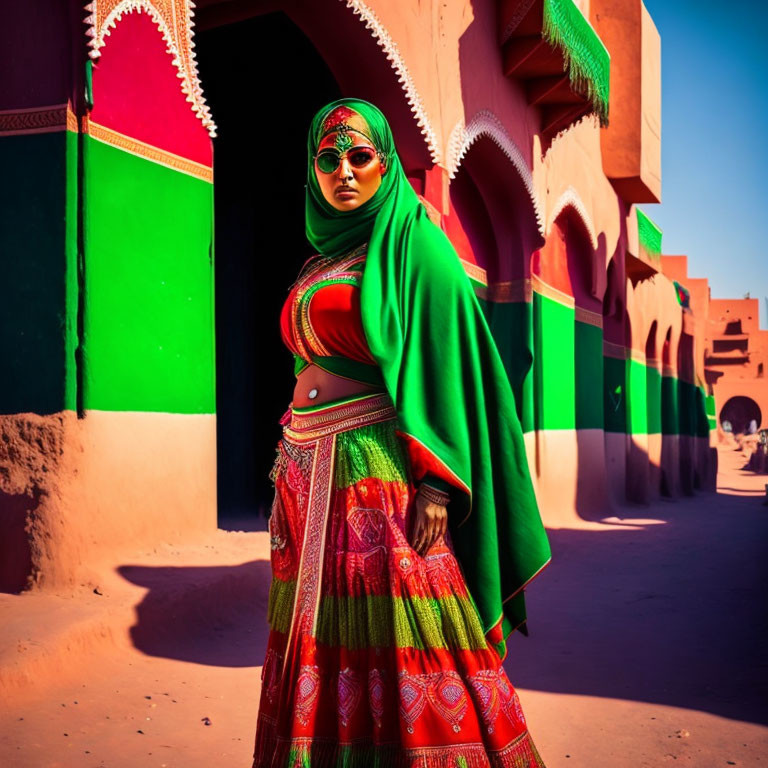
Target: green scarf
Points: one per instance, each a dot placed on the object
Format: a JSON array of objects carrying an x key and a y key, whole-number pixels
[{"x": 441, "y": 366}]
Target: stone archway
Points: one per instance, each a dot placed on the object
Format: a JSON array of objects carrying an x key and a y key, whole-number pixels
[
  {"x": 262, "y": 117},
  {"x": 494, "y": 226},
  {"x": 739, "y": 411},
  {"x": 260, "y": 169}
]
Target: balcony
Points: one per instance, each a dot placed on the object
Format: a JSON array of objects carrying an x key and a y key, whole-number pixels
[
  {"x": 729, "y": 357},
  {"x": 644, "y": 252},
  {"x": 730, "y": 341},
  {"x": 631, "y": 144},
  {"x": 551, "y": 47}
]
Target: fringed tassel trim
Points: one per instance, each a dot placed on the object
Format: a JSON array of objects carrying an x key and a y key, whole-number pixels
[
  {"x": 308, "y": 753},
  {"x": 521, "y": 753},
  {"x": 266, "y": 741},
  {"x": 586, "y": 58}
]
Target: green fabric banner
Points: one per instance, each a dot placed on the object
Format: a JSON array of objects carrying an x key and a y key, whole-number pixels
[{"x": 587, "y": 59}]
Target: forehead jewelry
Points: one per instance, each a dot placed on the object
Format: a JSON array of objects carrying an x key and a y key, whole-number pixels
[{"x": 343, "y": 140}]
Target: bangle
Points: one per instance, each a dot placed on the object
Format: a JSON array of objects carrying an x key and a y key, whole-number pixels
[{"x": 433, "y": 495}]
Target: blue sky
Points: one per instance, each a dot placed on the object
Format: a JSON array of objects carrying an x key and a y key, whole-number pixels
[{"x": 714, "y": 122}]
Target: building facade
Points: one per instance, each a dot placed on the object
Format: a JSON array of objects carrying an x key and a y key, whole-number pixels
[
  {"x": 152, "y": 220},
  {"x": 736, "y": 359}
]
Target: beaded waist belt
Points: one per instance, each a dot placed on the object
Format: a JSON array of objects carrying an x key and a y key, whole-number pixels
[{"x": 305, "y": 425}]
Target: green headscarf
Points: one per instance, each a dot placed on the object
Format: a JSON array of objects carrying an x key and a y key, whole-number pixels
[{"x": 441, "y": 366}]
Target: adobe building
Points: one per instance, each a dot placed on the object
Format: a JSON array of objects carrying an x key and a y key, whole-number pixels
[
  {"x": 151, "y": 221},
  {"x": 736, "y": 357}
]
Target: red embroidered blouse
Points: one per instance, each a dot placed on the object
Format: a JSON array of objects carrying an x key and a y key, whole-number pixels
[{"x": 321, "y": 323}]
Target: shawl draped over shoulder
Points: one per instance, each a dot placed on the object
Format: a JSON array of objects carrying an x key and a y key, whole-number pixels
[{"x": 442, "y": 368}]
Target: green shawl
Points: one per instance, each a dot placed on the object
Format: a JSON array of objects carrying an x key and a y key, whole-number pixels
[{"x": 441, "y": 366}]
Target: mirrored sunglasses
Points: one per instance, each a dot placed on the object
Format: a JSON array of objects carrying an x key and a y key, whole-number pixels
[{"x": 328, "y": 160}]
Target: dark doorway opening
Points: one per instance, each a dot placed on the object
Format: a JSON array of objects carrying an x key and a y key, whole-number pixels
[
  {"x": 264, "y": 81},
  {"x": 743, "y": 414}
]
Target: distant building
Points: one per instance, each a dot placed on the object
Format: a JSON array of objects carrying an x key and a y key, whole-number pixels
[{"x": 736, "y": 360}]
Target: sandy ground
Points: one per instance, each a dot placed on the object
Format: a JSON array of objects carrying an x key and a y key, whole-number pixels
[{"x": 648, "y": 647}]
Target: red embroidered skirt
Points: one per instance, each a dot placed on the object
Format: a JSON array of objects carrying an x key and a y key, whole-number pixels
[{"x": 376, "y": 656}]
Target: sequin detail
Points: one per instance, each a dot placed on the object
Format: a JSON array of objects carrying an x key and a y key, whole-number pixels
[
  {"x": 307, "y": 692},
  {"x": 444, "y": 690}
]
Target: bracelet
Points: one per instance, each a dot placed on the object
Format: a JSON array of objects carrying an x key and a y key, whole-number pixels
[{"x": 434, "y": 495}]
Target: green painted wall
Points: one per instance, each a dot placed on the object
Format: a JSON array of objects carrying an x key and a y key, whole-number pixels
[
  {"x": 615, "y": 390},
  {"x": 637, "y": 398},
  {"x": 553, "y": 365},
  {"x": 702, "y": 418},
  {"x": 149, "y": 314},
  {"x": 709, "y": 404},
  {"x": 38, "y": 310},
  {"x": 686, "y": 396},
  {"x": 670, "y": 415},
  {"x": 558, "y": 390},
  {"x": 512, "y": 328},
  {"x": 653, "y": 400},
  {"x": 589, "y": 376}
]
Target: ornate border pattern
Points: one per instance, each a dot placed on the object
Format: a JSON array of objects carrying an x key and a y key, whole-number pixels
[
  {"x": 505, "y": 292},
  {"x": 475, "y": 272},
  {"x": 48, "y": 119},
  {"x": 620, "y": 352},
  {"x": 486, "y": 123},
  {"x": 385, "y": 41},
  {"x": 147, "y": 151},
  {"x": 545, "y": 289},
  {"x": 589, "y": 317},
  {"x": 616, "y": 351},
  {"x": 174, "y": 20},
  {"x": 510, "y": 292},
  {"x": 570, "y": 199}
]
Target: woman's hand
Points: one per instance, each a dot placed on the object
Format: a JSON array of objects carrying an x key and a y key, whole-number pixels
[{"x": 430, "y": 524}]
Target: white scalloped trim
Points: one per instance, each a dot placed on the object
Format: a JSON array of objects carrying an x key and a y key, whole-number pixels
[
  {"x": 485, "y": 123},
  {"x": 179, "y": 43},
  {"x": 570, "y": 199},
  {"x": 385, "y": 41}
]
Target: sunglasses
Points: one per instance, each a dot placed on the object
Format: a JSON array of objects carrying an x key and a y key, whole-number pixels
[{"x": 328, "y": 160}]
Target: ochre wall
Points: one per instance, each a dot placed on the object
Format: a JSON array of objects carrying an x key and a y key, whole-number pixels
[{"x": 109, "y": 416}]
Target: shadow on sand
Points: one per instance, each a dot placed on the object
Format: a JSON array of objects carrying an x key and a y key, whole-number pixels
[
  {"x": 214, "y": 615},
  {"x": 672, "y": 610},
  {"x": 666, "y": 609}
]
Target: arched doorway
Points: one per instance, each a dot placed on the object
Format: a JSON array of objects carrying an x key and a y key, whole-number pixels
[
  {"x": 260, "y": 170},
  {"x": 739, "y": 412},
  {"x": 568, "y": 367},
  {"x": 653, "y": 410},
  {"x": 686, "y": 398},
  {"x": 616, "y": 340},
  {"x": 669, "y": 421},
  {"x": 492, "y": 223},
  {"x": 263, "y": 106}
]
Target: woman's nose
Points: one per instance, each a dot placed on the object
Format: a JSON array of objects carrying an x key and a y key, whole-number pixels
[{"x": 345, "y": 169}]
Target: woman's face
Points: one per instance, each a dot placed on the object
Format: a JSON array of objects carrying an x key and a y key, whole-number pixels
[{"x": 357, "y": 176}]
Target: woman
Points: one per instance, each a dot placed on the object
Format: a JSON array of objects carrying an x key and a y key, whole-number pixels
[{"x": 401, "y": 451}]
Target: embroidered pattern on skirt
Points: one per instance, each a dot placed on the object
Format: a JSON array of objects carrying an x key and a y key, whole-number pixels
[{"x": 376, "y": 657}]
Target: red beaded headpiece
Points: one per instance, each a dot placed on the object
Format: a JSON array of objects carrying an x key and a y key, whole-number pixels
[
  {"x": 339, "y": 116},
  {"x": 342, "y": 120}
]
